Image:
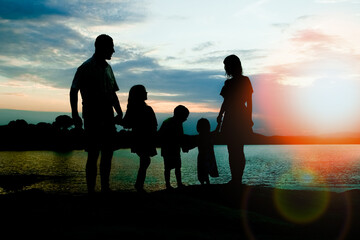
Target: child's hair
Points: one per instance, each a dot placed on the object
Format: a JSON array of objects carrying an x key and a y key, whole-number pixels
[
  {"x": 181, "y": 111},
  {"x": 137, "y": 94},
  {"x": 203, "y": 126}
]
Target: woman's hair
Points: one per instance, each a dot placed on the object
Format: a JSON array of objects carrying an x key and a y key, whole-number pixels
[
  {"x": 233, "y": 66},
  {"x": 137, "y": 95},
  {"x": 203, "y": 126}
]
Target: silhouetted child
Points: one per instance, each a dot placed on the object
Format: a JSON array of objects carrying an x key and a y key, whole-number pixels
[
  {"x": 142, "y": 120},
  {"x": 206, "y": 162},
  {"x": 171, "y": 140}
]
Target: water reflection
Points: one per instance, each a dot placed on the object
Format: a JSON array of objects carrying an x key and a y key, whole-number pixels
[{"x": 334, "y": 167}]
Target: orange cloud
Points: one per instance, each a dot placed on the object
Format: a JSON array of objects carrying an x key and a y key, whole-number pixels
[
  {"x": 168, "y": 106},
  {"x": 313, "y": 36}
]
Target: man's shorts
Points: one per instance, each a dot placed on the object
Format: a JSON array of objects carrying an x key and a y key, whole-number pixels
[{"x": 99, "y": 134}]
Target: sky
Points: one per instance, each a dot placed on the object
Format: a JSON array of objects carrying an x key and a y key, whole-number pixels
[{"x": 302, "y": 56}]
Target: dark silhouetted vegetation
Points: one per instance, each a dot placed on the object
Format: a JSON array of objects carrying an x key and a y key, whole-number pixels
[{"x": 60, "y": 135}]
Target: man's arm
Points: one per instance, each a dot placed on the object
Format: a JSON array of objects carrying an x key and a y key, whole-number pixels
[
  {"x": 74, "y": 108},
  {"x": 117, "y": 107}
]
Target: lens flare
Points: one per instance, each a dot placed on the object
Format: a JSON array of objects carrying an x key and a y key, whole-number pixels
[
  {"x": 301, "y": 207},
  {"x": 347, "y": 223}
]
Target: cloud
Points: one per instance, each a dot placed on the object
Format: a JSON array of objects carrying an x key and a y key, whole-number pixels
[
  {"x": 280, "y": 25},
  {"x": 214, "y": 59},
  {"x": 50, "y": 29},
  {"x": 310, "y": 80},
  {"x": 91, "y": 10},
  {"x": 109, "y": 12},
  {"x": 313, "y": 48},
  {"x": 334, "y": 1},
  {"x": 313, "y": 36},
  {"x": 27, "y": 9},
  {"x": 54, "y": 59},
  {"x": 48, "y": 43},
  {"x": 45, "y": 41},
  {"x": 193, "y": 85},
  {"x": 202, "y": 46},
  {"x": 42, "y": 38},
  {"x": 16, "y": 94}
]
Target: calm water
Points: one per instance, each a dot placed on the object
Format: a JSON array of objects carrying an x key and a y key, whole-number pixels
[{"x": 333, "y": 167}]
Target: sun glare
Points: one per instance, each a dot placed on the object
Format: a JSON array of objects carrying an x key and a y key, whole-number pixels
[
  {"x": 313, "y": 86},
  {"x": 330, "y": 104}
]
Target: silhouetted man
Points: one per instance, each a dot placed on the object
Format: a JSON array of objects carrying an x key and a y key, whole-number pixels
[{"x": 96, "y": 82}]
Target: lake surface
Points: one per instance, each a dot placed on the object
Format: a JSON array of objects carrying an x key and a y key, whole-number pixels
[{"x": 312, "y": 167}]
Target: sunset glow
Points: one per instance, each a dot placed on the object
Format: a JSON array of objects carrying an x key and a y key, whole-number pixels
[
  {"x": 312, "y": 84},
  {"x": 302, "y": 56}
]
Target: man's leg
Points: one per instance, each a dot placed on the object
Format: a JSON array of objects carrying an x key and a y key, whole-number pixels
[
  {"x": 167, "y": 178},
  {"x": 178, "y": 177},
  {"x": 105, "y": 168},
  {"x": 91, "y": 170}
]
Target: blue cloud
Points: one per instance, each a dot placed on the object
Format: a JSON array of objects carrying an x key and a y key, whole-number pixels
[
  {"x": 188, "y": 85},
  {"x": 36, "y": 40},
  {"x": 94, "y": 12},
  {"x": 26, "y": 9}
]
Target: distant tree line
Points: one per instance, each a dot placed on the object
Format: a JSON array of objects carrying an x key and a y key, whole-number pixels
[{"x": 59, "y": 135}]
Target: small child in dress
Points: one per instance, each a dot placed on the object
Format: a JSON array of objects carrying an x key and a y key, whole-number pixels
[
  {"x": 141, "y": 118},
  {"x": 206, "y": 162},
  {"x": 171, "y": 135}
]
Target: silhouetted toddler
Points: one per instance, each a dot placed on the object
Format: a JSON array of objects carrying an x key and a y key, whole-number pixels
[
  {"x": 171, "y": 139},
  {"x": 206, "y": 162}
]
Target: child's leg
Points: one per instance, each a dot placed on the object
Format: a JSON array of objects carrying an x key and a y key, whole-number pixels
[
  {"x": 178, "y": 177},
  {"x": 207, "y": 180},
  {"x": 144, "y": 164}
]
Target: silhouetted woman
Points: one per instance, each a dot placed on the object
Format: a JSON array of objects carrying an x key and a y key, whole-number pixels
[
  {"x": 142, "y": 120},
  {"x": 235, "y": 115}
]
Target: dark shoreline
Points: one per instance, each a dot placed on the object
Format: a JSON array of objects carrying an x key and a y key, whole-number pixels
[
  {"x": 215, "y": 212},
  {"x": 59, "y": 136}
]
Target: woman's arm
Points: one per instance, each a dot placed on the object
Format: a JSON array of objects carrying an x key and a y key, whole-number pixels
[
  {"x": 249, "y": 104},
  {"x": 249, "y": 107},
  {"x": 224, "y": 93},
  {"x": 221, "y": 112}
]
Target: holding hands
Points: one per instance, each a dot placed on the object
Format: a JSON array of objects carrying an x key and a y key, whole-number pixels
[
  {"x": 118, "y": 119},
  {"x": 77, "y": 120}
]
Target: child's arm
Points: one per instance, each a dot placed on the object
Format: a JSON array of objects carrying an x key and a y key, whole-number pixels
[
  {"x": 127, "y": 120},
  {"x": 216, "y": 136},
  {"x": 217, "y": 129},
  {"x": 189, "y": 142}
]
